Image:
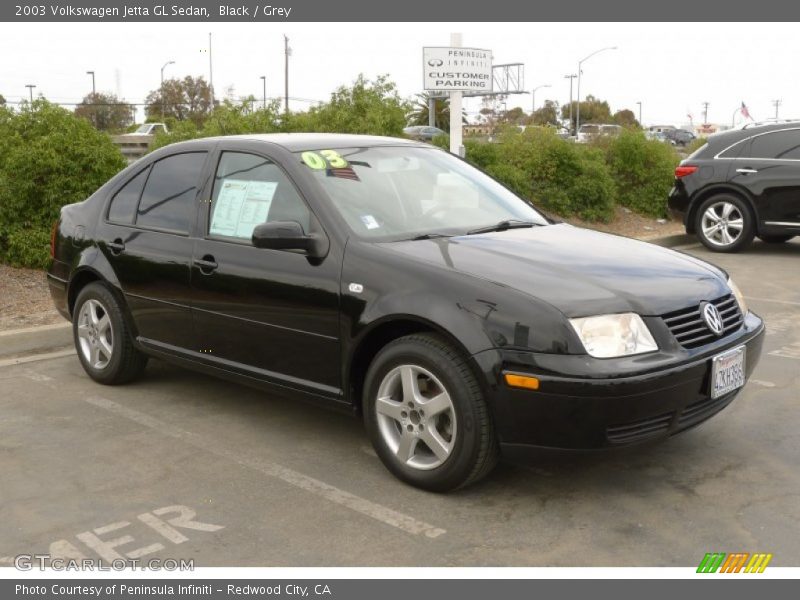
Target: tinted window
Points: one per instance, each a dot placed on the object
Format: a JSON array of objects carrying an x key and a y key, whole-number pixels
[
  {"x": 123, "y": 204},
  {"x": 781, "y": 144},
  {"x": 249, "y": 190},
  {"x": 169, "y": 194}
]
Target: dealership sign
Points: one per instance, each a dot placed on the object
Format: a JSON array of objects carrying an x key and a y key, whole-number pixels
[{"x": 457, "y": 69}]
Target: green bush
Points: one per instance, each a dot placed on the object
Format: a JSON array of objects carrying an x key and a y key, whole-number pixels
[
  {"x": 48, "y": 158},
  {"x": 643, "y": 171}
]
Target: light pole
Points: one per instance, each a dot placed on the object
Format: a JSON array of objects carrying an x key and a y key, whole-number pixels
[
  {"x": 640, "y": 114},
  {"x": 287, "y": 52},
  {"x": 163, "y": 103},
  {"x": 30, "y": 87},
  {"x": 210, "y": 70},
  {"x": 264, "y": 94},
  {"x": 94, "y": 91},
  {"x": 580, "y": 62},
  {"x": 533, "y": 97},
  {"x": 570, "y": 77}
]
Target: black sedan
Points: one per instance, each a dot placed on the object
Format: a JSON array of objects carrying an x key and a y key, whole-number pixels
[
  {"x": 739, "y": 185},
  {"x": 391, "y": 279}
]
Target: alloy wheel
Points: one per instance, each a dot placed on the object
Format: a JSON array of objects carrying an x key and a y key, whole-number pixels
[
  {"x": 722, "y": 223},
  {"x": 95, "y": 334},
  {"x": 416, "y": 417}
]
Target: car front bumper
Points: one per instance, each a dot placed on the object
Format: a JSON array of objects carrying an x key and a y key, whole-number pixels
[{"x": 582, "y": 404}]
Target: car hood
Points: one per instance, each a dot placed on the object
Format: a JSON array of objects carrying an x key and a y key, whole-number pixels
[{"x": 579, "y": 271}]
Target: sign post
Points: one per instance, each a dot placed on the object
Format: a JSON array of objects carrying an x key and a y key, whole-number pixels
[{"x": 457, "y": 70}]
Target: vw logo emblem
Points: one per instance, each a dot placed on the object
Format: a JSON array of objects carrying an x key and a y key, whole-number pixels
[
  {"x": 435, "y": 62},
  {"x": 712, "y": 317}
]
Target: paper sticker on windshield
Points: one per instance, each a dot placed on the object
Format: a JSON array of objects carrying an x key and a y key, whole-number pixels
[{"x": 369, "y": 222}]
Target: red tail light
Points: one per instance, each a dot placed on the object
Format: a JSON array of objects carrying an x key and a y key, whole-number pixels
[
  {"x": 684, "y": 170},
  {"x": 53, "y": 240}
]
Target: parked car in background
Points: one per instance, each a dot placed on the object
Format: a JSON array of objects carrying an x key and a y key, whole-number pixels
[
  {"x": 680, "y": 137},
  {"x": 590, "y": 131},
  {"x": 741, "y": 184},
  {"x": 392, "y": 280},
  {"x": 150, "y": 129},
  {"x": 423, "y": 132}
]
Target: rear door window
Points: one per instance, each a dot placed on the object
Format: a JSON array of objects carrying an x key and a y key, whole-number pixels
[
  {"x": 123, "y": 204},
  {"x": 168, "y": 199},
  {"x": 249, "y": 190},
  {"x": 777, "y": 145}
]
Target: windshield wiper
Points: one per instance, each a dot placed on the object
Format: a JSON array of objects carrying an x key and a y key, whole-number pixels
[
  {"x": 503, "y": 226},
  {"x": 430, "y": 236}
]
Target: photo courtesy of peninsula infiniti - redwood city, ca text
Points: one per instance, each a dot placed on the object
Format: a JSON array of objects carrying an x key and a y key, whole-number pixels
[{"x": 393, "y": 280}]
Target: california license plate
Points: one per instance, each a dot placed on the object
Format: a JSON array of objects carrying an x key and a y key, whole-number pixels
[{"x": 727, "y": 372}]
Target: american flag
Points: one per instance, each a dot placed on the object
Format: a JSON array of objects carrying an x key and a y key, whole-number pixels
[{"x": 745, "y": 112}]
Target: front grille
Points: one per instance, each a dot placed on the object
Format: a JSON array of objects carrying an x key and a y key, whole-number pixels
[
  {"x": 690, "y": 329},
  {"x": 704, "y": 409},
  {"x": 637, "y": 431}
]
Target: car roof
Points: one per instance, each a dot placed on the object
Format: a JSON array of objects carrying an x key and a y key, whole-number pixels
[
  {"x": 731, "y": 136},
  {"x": 294, "y": 142}
]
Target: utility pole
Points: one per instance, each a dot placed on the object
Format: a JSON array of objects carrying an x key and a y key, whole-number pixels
[
  {"x": 210, "y": 70},
  {"x": 570, "y": 77},
  {"x": 776, "y": 104},
  {"x": 94, "y": 91},
  {"x": 705, "y": 113},
  {"x": 287, "y": 52},
  {"x": 264, "y": 93},
  {"x": 30, "y": 87},
  {"x": 640, "y": 114}
]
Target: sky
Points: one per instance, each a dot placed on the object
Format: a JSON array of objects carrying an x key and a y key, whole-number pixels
[{"x": 671, "y": 68}]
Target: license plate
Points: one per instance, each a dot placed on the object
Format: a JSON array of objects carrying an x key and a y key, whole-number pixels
[{"x": 727, "y": 372}]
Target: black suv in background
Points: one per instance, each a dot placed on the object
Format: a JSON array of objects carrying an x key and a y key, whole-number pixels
[
  {"x": 739, "y": 185},
  {"x": 680, "y": 137}
]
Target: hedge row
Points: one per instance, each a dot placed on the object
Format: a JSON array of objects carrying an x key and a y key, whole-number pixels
[
  {"x": 585, "y": 180},
  {"x": 48, "y": 158}
]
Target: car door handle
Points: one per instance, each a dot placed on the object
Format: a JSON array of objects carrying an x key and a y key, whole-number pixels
[
  {"x": 207, "y": 264},
  {"x": 746, "y": 171},
  {"x": 117, "y": 246}
]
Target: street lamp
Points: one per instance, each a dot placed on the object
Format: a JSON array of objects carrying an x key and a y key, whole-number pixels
[
  {"x": 94, "y": 91},
  {"x": 163, "y": 104},
  {"x": 580, "y": 62},
  {"x": 264, "y": 95},
  {"x": 30, "y": 87},
  {"x": 640, "y": 114},
  {"x": 533, "y": 97}
]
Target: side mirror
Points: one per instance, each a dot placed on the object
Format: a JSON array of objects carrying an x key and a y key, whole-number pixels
[{"x": 289, "y": 235}]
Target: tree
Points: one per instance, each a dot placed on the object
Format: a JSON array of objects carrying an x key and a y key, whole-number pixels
[
  {"x": 106, "y": 112},
  {"x": 2, "y": 100},
  {"x": 181, "y": 99},
  {"x": 514, "y": 116},
  {"x": 547, "y": 115},
  {"x": 419, "y": 114},
  {"x": 626, "y": 118},
  {"x": 371, "y": 107},
  {"x": 593, "y": 110}
]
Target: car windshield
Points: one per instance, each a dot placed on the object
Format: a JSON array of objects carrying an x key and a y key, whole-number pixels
[
  {"x": 389, "y": 193},
  {"x": 143, "y": 129}
]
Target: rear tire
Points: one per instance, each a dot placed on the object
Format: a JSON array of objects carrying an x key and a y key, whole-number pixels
[
  {"x": 426, "y": 415},
  {"x": 724, "y": 223},
  {"x": 103, "y": 339},
  {"x": 775, "y": 239}
]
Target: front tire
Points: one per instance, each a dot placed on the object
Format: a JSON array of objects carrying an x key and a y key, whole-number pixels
[
  {"x": 426, "y": 416},
  {"x": 724, "y": 223},
  {"x": 102, "y": 338}
]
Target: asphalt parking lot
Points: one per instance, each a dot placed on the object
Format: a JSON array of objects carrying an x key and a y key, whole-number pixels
[{"x": 181, "y": 465}]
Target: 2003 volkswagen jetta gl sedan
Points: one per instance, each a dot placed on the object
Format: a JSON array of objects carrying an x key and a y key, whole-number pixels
[{"x": 392, "y": 279}]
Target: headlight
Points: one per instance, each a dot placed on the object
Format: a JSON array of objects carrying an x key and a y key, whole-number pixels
[
  {"x": 737, "y": 293},
  {"x": 606, "y": 336}
]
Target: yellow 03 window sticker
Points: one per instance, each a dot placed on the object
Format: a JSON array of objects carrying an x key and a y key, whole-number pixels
[{"x": 324, "y": 159}]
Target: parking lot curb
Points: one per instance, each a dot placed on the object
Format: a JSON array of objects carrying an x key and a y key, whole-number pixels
[
  {"x": 32, "y": 340},
  {"x": 671, "y": 241}
]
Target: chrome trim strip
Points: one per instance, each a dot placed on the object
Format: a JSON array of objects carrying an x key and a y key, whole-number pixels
[
  {"x": 747, "y": 139},
  {"x": 783, "y": 223}
]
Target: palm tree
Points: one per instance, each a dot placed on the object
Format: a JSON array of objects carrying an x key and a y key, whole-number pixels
[{"x": 419, "y": 116}]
